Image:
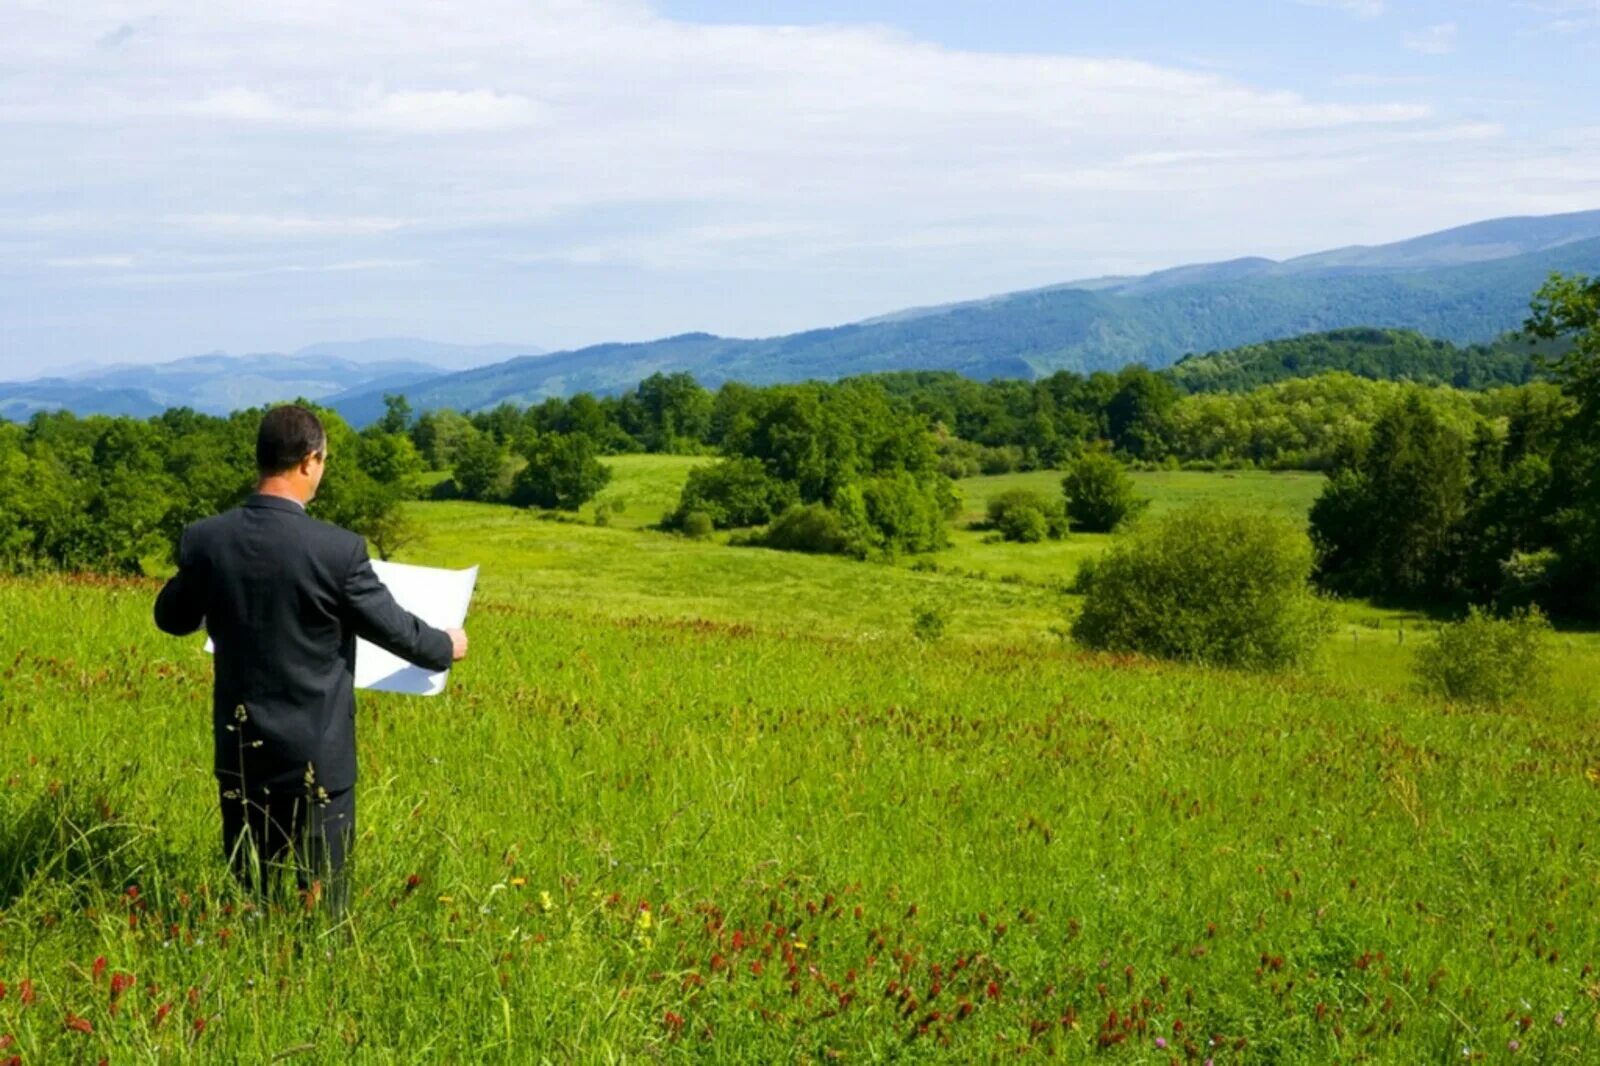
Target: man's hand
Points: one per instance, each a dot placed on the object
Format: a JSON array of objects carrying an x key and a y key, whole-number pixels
[{"x": 458, "y": 644}]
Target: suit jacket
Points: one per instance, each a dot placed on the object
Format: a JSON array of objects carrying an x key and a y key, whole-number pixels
[{"x": 284, "y": 597}]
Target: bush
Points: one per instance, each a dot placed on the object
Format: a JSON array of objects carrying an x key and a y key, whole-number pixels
[
  {"x": 929, "y": 622},
  {"x": 1099, "y": 494},
  {"x": 733, "y": 493},
  {"x": 1223, "y": 588},
  {"x": 563, "y": 472},
  {"x": 479, "y": 460},
  {"x": 1487, "y": 660},
  {"x": 697, "y": 524},
  {"x": 1083, "y": 578},
  {"x": 1025, "y": 516},
  {"x": 812, "y": 528},
  {"x": 896, "y": 513}
]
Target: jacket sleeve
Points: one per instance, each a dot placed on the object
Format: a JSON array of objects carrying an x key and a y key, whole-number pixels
[
  {"x": 181, "y": 603},
  {"x": 379, "y": 619}
]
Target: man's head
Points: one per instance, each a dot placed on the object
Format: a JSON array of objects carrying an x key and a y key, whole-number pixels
[{"x": 291, "y": 451}]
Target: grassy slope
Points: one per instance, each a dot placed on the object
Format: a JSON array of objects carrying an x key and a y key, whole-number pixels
[{"x": 1321, "y": 868}]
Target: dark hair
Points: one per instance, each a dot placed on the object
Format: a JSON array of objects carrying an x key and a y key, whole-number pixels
[{"x": 288, "y": 434}]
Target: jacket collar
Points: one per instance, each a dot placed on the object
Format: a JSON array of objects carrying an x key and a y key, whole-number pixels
[{"x": 276, "y": 503}]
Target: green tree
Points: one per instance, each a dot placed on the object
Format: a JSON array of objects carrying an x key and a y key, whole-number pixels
[
  {"x": 673, "y": 413},
  {"x": 563, "y": 472},
  {"x": 438, "y": 434},
  {"x": 396, "y": 415},
  {"x": 732, "y": 493},
  {"x": 1391, "y": 523},
  {"x": 1569, "y": 308},
  {"x": 479, "y": 461},
  {"x": 1099, "y": 493}
]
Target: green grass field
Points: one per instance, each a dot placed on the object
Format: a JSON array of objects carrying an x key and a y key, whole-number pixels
[{"x": 689, "y": 801}]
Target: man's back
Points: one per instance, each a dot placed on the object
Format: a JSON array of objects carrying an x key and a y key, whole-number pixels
[{"x": 284, "y": 597}]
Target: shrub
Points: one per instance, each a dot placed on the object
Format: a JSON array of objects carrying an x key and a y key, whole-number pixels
[
  {"x": 1001, "y": 460},
  {"x": 1099, "y": 494},
  {"x": 1223, "y": 588},
  {"x": 734, "y": 492},
  {"x": 812, "y": 528},
  {"x": 563, "y": 472},
  {"x": 697, "y": 524},
  {"x": 1025, "y": 516},
  {"x": 1083, "y": 578},
  {"x": 896, "y": 513},
  {"x": 1487, "y": 660},
  {"x": 929, "y": 622}
]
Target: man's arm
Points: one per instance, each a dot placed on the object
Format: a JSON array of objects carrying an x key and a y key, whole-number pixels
[
  {"x": 388, "y": 625},
  {"x": 181, "y": 603}
]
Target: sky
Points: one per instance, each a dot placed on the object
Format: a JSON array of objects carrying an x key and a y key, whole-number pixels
[{"x": 178, "y": 178}]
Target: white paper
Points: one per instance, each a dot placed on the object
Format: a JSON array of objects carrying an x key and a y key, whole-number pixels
[{"x": 439, "y": 598}]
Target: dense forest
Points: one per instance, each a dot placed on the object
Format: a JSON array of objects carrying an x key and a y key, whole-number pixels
[
  {"x": 1378, "y": 354},
  {"x": 1438, "y": 491}
]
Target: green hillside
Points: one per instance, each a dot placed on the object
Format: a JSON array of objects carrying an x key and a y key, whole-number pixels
[
  {"x": 1028, "y": 334},
  {"x": 1378, "y": 354}
]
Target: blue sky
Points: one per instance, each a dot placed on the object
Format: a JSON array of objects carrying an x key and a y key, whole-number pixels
[{"x": 177, "y": 178}]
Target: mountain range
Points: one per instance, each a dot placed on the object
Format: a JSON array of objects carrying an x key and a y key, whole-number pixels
[
  {"x": 1467, "y": 285},
  {"x": 218, "y": 383}
]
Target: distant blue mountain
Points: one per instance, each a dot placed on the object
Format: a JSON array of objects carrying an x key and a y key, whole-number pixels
[
  {"x": 1465, "y": 285},
  {"x": 219, "y": 383}
]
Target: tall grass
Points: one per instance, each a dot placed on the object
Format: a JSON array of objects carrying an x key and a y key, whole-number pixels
[{"x": 690, "y": 801}]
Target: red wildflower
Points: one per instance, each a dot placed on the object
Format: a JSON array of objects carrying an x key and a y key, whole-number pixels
[
  {"x": 674, "y": 1022},
  {"x": 200, "y": 1024},
  {"x": 162, "y": 1012},
  {"x": 98, "y": 969},
  {"x": 15, "y": 1060},
  {"x": 25, "y": 991},
  {"x": 6, "y": 1040},
  {"x": 77, "y": 1024},
  {"x": 993, "y": 991},
  {"x": 412, "y": 882}
]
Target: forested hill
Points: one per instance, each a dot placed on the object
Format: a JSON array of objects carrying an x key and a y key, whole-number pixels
[
  {"x": 1087, "y": 326},
  {"x": 1377, "y": 354}
]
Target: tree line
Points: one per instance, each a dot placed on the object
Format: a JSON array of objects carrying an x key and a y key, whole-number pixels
[
  {"x": 1507, "y": 513},
  {"x": 1436, "y": 492}
]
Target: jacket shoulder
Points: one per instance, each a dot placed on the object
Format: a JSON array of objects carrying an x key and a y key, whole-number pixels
[{"x": 335, "y": 540}]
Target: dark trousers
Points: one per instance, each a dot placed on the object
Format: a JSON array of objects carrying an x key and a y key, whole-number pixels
[{"x": 266, "y": 834}]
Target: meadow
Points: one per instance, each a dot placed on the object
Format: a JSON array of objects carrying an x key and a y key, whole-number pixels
[{"x": 692, "y": 801}]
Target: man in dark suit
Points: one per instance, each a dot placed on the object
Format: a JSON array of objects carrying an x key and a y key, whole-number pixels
[{"x": 284, "y": 598}]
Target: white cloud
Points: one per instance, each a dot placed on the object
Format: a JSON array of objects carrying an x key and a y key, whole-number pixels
[
  {"x": 1436, "y": 40},
  {"x": 413, "y": 111},
  {"x": 1362, "y": 9},
  {"x": 95, "y": 262},
  {"x": 455, "y": 142},
  {"x": 282, "y": 226},
  {"x": 1569, "y": 16}
]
